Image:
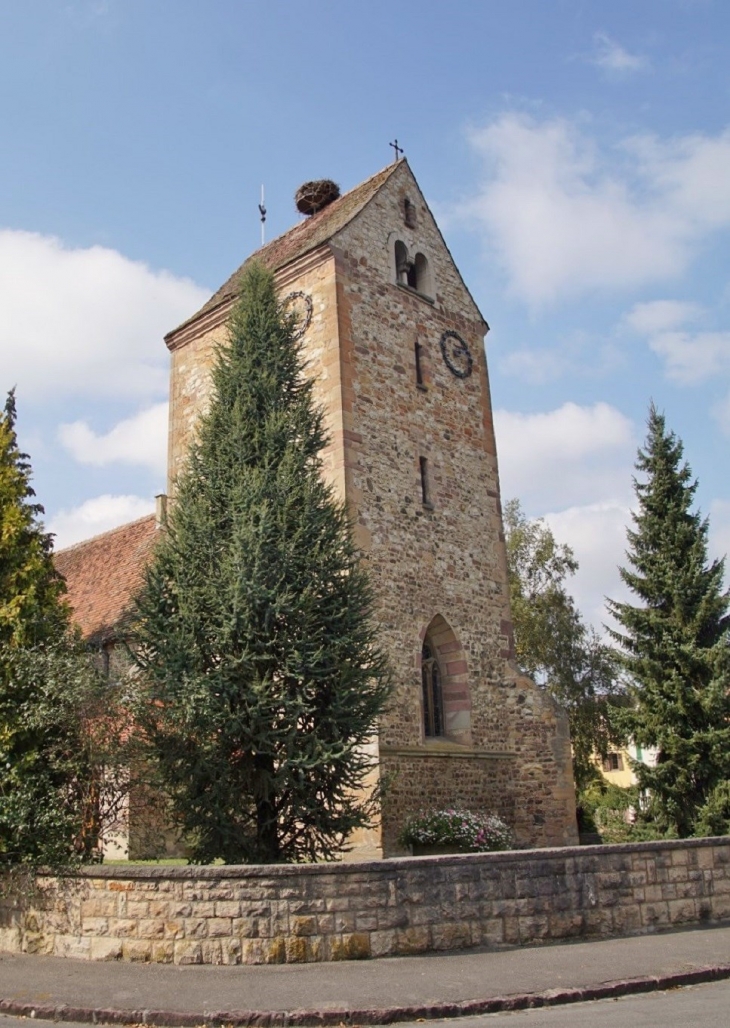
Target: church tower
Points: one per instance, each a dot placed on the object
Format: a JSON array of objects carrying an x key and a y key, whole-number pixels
[{"x": 394, "y": 341}]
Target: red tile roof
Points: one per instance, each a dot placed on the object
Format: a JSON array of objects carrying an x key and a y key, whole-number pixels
[
  {"x": 103, "y": 575},
  {"x": 300, "y": 239}
]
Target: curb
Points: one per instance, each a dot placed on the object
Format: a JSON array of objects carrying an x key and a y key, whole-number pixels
[{"x": 371, "y": 1016}]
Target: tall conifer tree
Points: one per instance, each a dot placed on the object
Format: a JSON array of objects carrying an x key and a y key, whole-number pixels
[
  {"x": 50, "y": 694},
  {"x": 31, "y": 591},
  {"x": 675, "y": 640},
  {"x": 262, "y": 680}
]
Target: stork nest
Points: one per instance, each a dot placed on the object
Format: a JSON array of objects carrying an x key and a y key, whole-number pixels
[{"x": 313, "y": 196}]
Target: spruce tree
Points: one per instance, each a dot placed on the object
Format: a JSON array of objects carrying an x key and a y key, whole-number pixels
[
  {"x": 31, "y": 591},
  {"x": 675, "y": 641},
  {"x": 261, "y": 677}
]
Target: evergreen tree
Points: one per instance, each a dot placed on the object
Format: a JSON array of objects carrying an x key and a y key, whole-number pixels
[
  {"x": 31, "y": 591},
  {"x": 554, "y": 646},
  {"x": 262, "y": 680},
  {"x": 50, "y": 696},
  {"x": 675, "y": 641}
]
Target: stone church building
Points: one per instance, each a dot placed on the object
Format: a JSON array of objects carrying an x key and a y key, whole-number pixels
[{"x": 395, "y": 343}]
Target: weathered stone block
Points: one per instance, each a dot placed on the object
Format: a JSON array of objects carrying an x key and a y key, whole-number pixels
[
  {"x": 211, "y": 951},
  {"x": 94, "y": 926},
  {"x": 187, "y": 952},
  {"x": 231, "y": 951},
  {"x": 38, "y": 942},
  {"x": 137, "y": 950},
  {"x": 195, "y": 927},
  {"x": 163, "y": 952},
  {"x": 655, "y": 914},
  {"x": 122, "y": 927},
  {"x": 682, "y": 911},
  {"x": 99, "y": 906},
  {"x": 412, "y": 940},
  {"x": 303, "y": 926},
  {"x": 106, "y": 949},
  {"x": 228, "y": 908},
  {"x": 350, "y": 946},
  {"x": 150, "y": 928},
  {"x": 219, "y": 927},
  {"x": 72, "y": 946},
  {"x": 454, "y": 935},
  {"x": 383, "y": 943}
]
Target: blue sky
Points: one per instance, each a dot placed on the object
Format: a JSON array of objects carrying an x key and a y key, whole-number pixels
[{"x": 576, "y": 155}]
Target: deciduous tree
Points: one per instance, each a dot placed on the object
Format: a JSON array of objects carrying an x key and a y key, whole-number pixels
[{"x": 552, "y": 642}]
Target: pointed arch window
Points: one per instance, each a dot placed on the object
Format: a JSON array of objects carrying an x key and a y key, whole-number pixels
[{"x": 433, "y": 709}]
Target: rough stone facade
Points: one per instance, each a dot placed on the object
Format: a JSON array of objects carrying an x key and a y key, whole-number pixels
[
  {"x": 316, "y": 912},
  {"x": 396, "y": 412}
]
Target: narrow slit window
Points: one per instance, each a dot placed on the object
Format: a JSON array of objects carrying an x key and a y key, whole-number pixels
[
  {"x": 419, "y": 367},
  {"x": 425, "y": 492},
  {"x": 433, "y": 713},
  {"x": 409, "y": 212}
]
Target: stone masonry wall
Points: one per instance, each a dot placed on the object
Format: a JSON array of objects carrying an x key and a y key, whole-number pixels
[
  {"x": 442, "y": 562},
  {"x": 319, "y": 912}
]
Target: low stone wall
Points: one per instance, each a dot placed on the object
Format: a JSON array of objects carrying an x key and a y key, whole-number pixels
[{"x": 312, "y": 912}]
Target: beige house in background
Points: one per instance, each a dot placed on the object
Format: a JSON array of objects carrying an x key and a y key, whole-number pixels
[
  {"x": 616, "y": 768},
  {"x": 395, "y": 344}
]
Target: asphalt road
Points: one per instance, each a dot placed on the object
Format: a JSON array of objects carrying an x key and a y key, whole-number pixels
[{"x": 700, "y": 1006}]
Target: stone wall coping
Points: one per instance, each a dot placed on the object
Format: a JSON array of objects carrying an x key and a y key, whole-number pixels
[{"x": 379, "y": 867}]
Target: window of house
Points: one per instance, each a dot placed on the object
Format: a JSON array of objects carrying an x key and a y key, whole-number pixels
[
  {"x": 613, "y": 762},
  {"x": 433, "y": 713}
]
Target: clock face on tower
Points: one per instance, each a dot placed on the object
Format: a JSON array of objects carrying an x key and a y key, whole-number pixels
[
  {"x": 455, "y": 352},
  {"x": 299, "y": 304}
]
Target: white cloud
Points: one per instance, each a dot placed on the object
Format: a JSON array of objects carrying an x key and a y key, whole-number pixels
[
  {"x": 661, "y": 315},
  {"x": 536, "y": 366},
  {"x": 85, "y": 322},
  {"x": 690, "y": 359},
  {"x": 579, "y": 355},
  {"x": 564, "y": 217},
  {"x": 570, "y": 456},
  {"x": 141, "y": 440},
  {"x": 612, "y": 57},
  {"x": 597, "y": 534},
  {"x": 96, "y": 516}
]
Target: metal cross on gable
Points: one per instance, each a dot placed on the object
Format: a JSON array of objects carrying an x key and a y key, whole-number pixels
[{"x": 398, "y": 149}]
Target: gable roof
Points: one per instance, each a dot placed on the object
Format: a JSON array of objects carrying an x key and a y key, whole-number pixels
[
  {"x": 301, "y": 239},
  {"x": 103, "y": 575}
]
